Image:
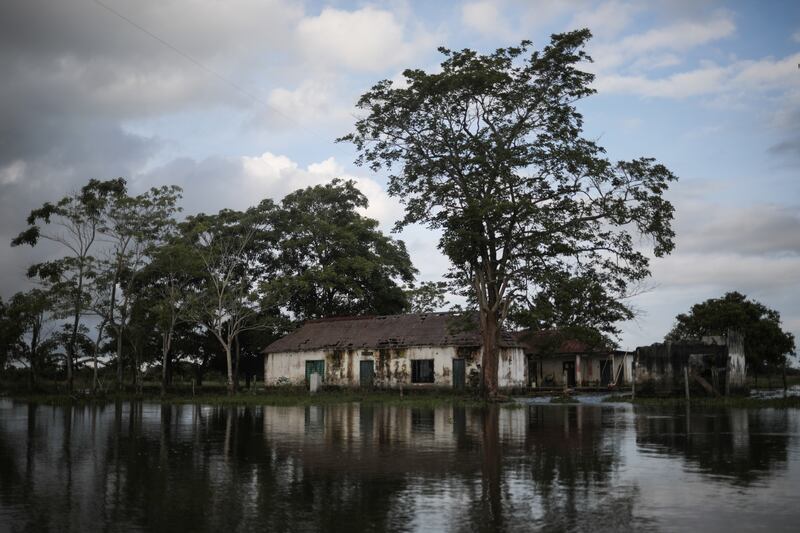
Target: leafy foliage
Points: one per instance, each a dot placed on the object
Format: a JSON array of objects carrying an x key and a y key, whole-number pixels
[
  {"x": 73, "y": 223},
  {"x": 489, "y": 151},
  {"x": 766, "y": 344},
  {"x": 427, "y": 297},
  {"x": 332, "y": 261}
]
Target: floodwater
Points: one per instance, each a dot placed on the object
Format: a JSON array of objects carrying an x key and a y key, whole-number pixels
[{"x": 588, "y": 467}]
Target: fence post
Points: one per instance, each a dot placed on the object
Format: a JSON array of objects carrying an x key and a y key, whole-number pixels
[{"x": 686, "y": 382}]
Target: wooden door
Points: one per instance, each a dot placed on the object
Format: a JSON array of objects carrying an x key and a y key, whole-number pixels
[
  {"x": 366, "y": 372},
  {"x": 459, "y": 373}
]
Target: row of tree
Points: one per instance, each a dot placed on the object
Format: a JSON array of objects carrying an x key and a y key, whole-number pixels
[
  {"x": 147, "y": 283},
  {"x": 542, "y": 229}
]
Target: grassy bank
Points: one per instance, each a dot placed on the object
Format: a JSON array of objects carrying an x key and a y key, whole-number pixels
[
  {"x": 772, "y": 382},
  {"x": 734, "y": 401},
  {"x": 273, "y": 397}
]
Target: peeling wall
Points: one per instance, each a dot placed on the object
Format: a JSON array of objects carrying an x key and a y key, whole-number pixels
[
  {"x": 392, "y": 366},
  {"x": 719, "y": 360},
  {"x": 587, "y": 369}
]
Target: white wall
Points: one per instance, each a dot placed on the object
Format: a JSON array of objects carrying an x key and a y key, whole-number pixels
[{"x": 392, "y": 366}]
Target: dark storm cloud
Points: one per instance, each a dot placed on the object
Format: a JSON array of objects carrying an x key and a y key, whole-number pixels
[{"x": 72, "y": 74}]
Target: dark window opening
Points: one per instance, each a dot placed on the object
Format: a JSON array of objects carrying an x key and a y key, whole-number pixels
[{"x": 422, "y": 371}]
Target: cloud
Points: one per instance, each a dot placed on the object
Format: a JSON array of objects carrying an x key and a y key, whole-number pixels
[
  {"x": 658, "y": 45},
  {"x": 485, "y": 17},
  {"x": 241, "y": 182},
  {"x": 765, "y": 230},
  {"x": 740, "y": 78},
  {"x": 368, "y": 39},
  {"x": 606, "y": 20}
]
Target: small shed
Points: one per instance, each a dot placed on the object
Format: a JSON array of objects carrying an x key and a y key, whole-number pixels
[
  {"x": 558, "y": 360},
  {"x": 715, "y": 364},
  {"x": 414, "y": 350}
]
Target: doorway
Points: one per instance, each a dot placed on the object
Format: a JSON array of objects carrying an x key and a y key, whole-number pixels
[
  {"x": 366, "y": 373},
  {"x": 459, "y": 373},
  {"x": 606, "y": 370},
  {"x": 569, "y": 369}
]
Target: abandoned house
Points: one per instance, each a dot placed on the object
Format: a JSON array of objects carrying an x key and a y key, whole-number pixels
[
  {"x": 554, "y": 360},
  {"x": 415, "y": 350},
  {"x": 715, "y": 365}
]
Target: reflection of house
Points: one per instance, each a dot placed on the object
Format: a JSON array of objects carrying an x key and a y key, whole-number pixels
[
  {"x": 556, "y": 361},
  {"x": 426, "y": 349},
  {"x": 715, "y": 364}
]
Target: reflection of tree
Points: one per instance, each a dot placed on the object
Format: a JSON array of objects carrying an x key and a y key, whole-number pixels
[
  {"x": 332, "y": 468},
  {"x": 740, "y": 445},
  {"x": 571, "y": 459}
]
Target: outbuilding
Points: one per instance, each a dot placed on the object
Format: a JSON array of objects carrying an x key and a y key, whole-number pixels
[
  {"x": 413, "y": 350},
  {"x": 556, "y": 359},
  {"x": 715, "y": 364}
]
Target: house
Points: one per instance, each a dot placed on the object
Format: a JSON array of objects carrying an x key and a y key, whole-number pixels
[
  {"x": 414, "y": 350},
  {"x": 557, "y": 360},
  {"x": 715, "y": 364}
]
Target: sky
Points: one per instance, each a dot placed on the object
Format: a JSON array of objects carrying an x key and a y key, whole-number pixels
[{"x": 240, "y": 100}]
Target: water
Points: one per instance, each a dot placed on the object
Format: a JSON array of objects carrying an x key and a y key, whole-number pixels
[{"x": 588, "y": 467}]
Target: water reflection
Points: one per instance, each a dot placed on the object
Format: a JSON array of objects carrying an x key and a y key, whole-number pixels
[
  {"x": 134, "y": 466},
  {"x": 740, "y": 446}
]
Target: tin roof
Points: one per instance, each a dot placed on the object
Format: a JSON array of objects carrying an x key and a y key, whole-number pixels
[{"x": 391, "y": 331}]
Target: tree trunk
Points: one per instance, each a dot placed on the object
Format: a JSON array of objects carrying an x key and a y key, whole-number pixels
[
  {"x": 165, "y": 347},
  {"x": 236, "y": 366},
  {"x": 490, "y": 334},
  {"x": 229, "y": 362},
  {"x": 34, "y": 355},
  {"x": 74, "y": 335},
  {"x": 120, "y": 372},
  {"x": 94, "y": 355},
  {"x": 71, "y": 347}
]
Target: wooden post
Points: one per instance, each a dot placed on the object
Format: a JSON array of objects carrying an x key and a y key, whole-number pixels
[
  {"x": 193, "y": 387},
  {"x": 686, "y": 382},
  {"x": 633, "y": 379}
]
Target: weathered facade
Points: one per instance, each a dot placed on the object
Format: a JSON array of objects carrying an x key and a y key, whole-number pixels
[
  {"x": 715, "y": 364},
  {"x": 413, "y": 350},
  {"x": 555, "y": 361}
]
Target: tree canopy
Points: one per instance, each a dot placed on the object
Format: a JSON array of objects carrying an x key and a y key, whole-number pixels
[
  {"x": 332, "y": 260},
  {"x": 766, "y": 344},
  {"x": 207, "y": 289},
  {"x": 490, "y": 152}
]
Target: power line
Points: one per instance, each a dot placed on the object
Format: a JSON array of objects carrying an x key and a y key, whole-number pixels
[{"x": 200, "y": 65}]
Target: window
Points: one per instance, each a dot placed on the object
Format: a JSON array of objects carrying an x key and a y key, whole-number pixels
[{"x": 422, "y": 371}]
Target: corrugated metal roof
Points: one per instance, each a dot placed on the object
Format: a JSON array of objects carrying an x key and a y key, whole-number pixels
[{"x": 391, "y": 331}]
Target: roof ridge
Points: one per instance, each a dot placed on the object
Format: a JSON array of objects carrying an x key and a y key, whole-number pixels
[{"x": 373, "y": 317}]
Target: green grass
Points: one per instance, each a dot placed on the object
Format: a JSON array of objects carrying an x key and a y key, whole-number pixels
[
  {"x": 733, "y": 401},
  {"x": 564, "y": 399},
  {"x": 772, "y": 382},
  {"x": 270, "y": 396}
]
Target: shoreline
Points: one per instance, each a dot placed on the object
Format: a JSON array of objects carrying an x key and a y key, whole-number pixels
[{"x": 409, "y": 398}]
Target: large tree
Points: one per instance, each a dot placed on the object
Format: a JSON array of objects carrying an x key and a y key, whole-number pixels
[
  {"x": 235, "y": 251},
  {"x": 167, "y": 283},
  {"x": 579, "y": 307},
  {"x": 74, "y": 224},
  {"x": 490, "y": 152},
  {"x": 766, "y": 345},
  {"x": 332, "y": 260},
  {"x": 133, "y": 226},
  {"x": 29, "y": 328}
]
